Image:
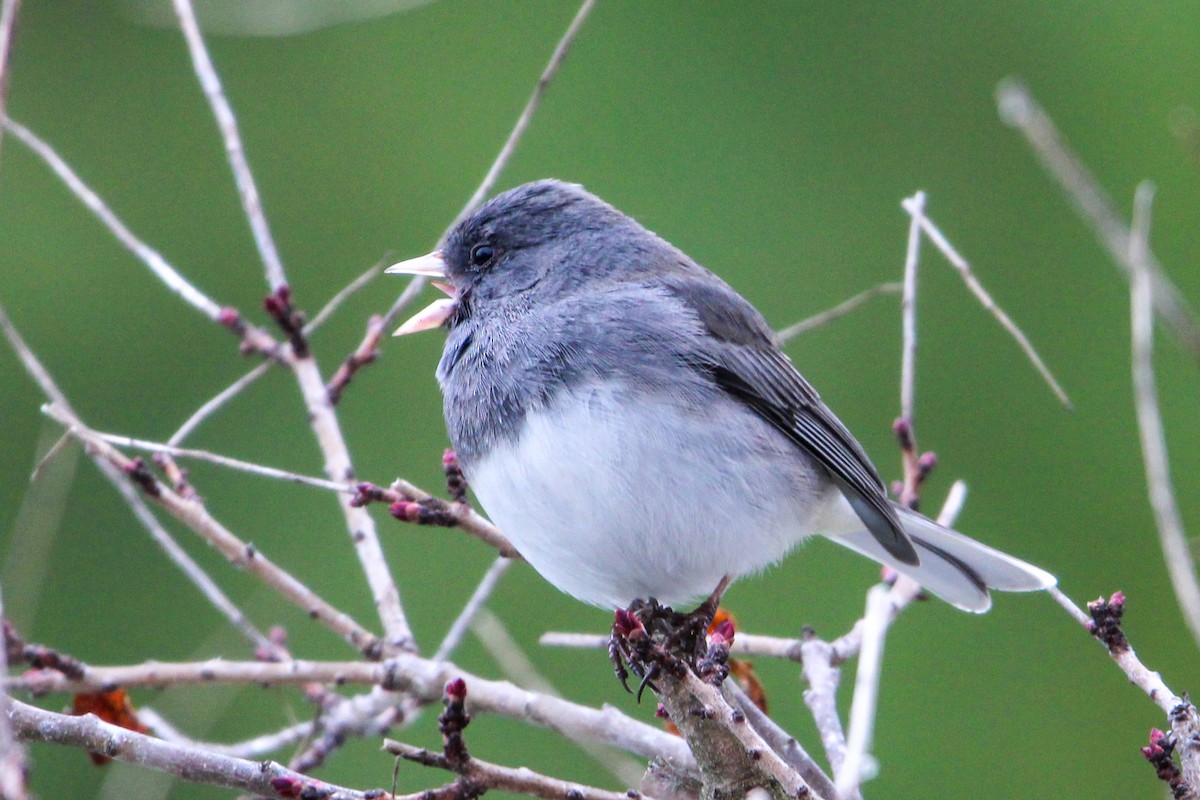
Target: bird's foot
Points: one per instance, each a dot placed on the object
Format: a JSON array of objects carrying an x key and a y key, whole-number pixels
[{"x": 649, "y": 638}]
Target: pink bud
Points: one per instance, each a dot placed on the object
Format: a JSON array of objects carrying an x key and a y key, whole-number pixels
[
  {"x": 661, "y": 712},
  {"x": 229, "y": 317},
  {"x": 456, "y": 690},
  {"x": 287, "y": 786}
]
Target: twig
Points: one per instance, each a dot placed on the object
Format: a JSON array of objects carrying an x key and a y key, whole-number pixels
[
  {"x": 462, "y": 515},
  {"x": 371, "y": 341},
  {"x": 423, "y": 678},
  {"x": 200, "y": 455},
  {"x": 194, "y": 572},
  {"x": 196, "y": 517},
  {"x": 235, "y": 151},
  {"x": 224, "y": 396},
  {"x": 985, "y": 299},
  {"x": 238, "y": 386},
  {"x": 539, "y": 90},
  {"x": 8, "y": 25},
  {"x": 487, "y": 584},
  {"x": 1181, "y": 566},
  {"x": 908, "y": 310},
  {"x": 1017, "y": 107},
  {"x": 516, "y": 665},
  {"x": 13, "y": 763},
  {"x": 866, "y": 692},
  {"x": 188, "y": 763},
  {"x": 148, "y": 255},
  {"x": 837, "y": 312}
]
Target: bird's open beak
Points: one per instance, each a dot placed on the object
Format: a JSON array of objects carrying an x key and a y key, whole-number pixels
[{"x": 431, "y": 265}]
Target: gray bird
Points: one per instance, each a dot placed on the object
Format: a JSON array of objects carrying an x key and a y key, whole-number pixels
[{"x": 629, "y": 422}]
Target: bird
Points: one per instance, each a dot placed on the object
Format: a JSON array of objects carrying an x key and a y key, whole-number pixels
[{"x": 631, "y": 424}]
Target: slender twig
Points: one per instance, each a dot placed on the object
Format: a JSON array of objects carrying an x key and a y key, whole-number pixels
[
  {"x": 985, "y": 299},
  {"x": 516, "y": 665},
  {"x": 1181, "y": 566},
  {"x": 188, "y": 763},
  {"x": 237, "y": 387},
  {"x": 780, "y": 741},
  {"x": 493, "y": 174},
  {"x": 194, "y": 572},
  {"x": 147, "y": 254},
  {"x": 487, "y": 584},
  {"x": 1018, "y": 108},
  {"x": 539, "y": 90},
  {"x": 8, "y": 25},
  {"x": 837, "y": 312},
  {"x": 13, "y": 764},
  {"x": 235, "y": 150},
  {"x": 866, "y": 692},
  {"x": 482, "y": 775},
  {"x": 200, "y": 455},
  {"x": 908, "y": 310},
  {"x": 423, "y": 678},
  {"x": 218, "y": 401}
]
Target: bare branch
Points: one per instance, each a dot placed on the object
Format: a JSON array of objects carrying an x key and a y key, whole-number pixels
[
  {"x": 908, "y": 309},
  {"x": 837, "y": 312},
  {"x": 13, "y": 763},
  {"x": 1181, "y": 566},
  {"x": 423, "y": 678},
  {"x": 238, "y": 386},
  {"x": 487, "y": 584},
  {"x": 856, "y": 764},
  {"x": 8, "y": 25},
  {"x": 539, "y": 90},
  {"x": 964, "y": 269},
  {"x": 200, "y": 455},
  {"x": 519, "y": 780},
  {"x": 235, "y": 151},
  {"x": 189, "y": 763},
  {"x": 148, "y": 255},
  {"x": 1019, "y": 109}
]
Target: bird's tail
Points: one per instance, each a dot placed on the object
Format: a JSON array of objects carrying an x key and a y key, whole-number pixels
[{"x": 954, "y": 567}]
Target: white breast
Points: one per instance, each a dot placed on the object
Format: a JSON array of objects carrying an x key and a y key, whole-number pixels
[{"x": 611, "y": 504}]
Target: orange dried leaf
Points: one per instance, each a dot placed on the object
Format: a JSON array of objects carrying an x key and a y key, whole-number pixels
[{"x": 113, "y": 707}]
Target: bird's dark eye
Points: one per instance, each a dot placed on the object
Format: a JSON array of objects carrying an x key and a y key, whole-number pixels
[{"x": 482, "y": 254}]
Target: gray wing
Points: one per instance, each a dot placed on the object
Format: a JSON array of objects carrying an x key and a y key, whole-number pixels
[{"x": 745, "y": 362}]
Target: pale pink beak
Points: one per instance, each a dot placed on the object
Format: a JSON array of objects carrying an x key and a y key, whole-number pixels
[{"x": 431, "y": 265}]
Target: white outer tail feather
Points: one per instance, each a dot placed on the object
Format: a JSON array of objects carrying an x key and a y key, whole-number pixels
[{"x": 954, "y": 567}]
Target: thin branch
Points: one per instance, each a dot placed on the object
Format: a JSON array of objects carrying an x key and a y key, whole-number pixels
[
  {"x": 1018, "y": 108},
  {"x": 189, "y": 763},
  {"x": 487, "y": 584},
  {"x": 866, "y": 693},
  {"x": 200, "y": 455},
  {"x": 194, "y": 572},
  {"x": 837, "y": 312},
  {"x": 217, "y": 402},
  {"x": 1181, "y": 566},
  {"x": 489, "y": 180},
  {"x": 985, "y": 299},
  {"x": 148, "y": 255},
  {"x": 8, "y": 25},
  {"x": 908, "y": 310},
  {"x": 13, "y": 761},
  {"x": 235, "y": 151},
  {"x": 237, "y": 387},
  {"x": 480, "y": 774},
  {"x": 421, "y": 677},
  {"x": 539, "y": 90},
  {"x": 516, "y": 665}
]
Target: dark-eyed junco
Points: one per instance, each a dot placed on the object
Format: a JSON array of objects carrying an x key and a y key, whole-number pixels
[{"x": 628, "y": 421}]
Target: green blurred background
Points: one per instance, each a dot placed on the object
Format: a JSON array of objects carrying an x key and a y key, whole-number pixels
[{"x": 774, "y": 143}]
